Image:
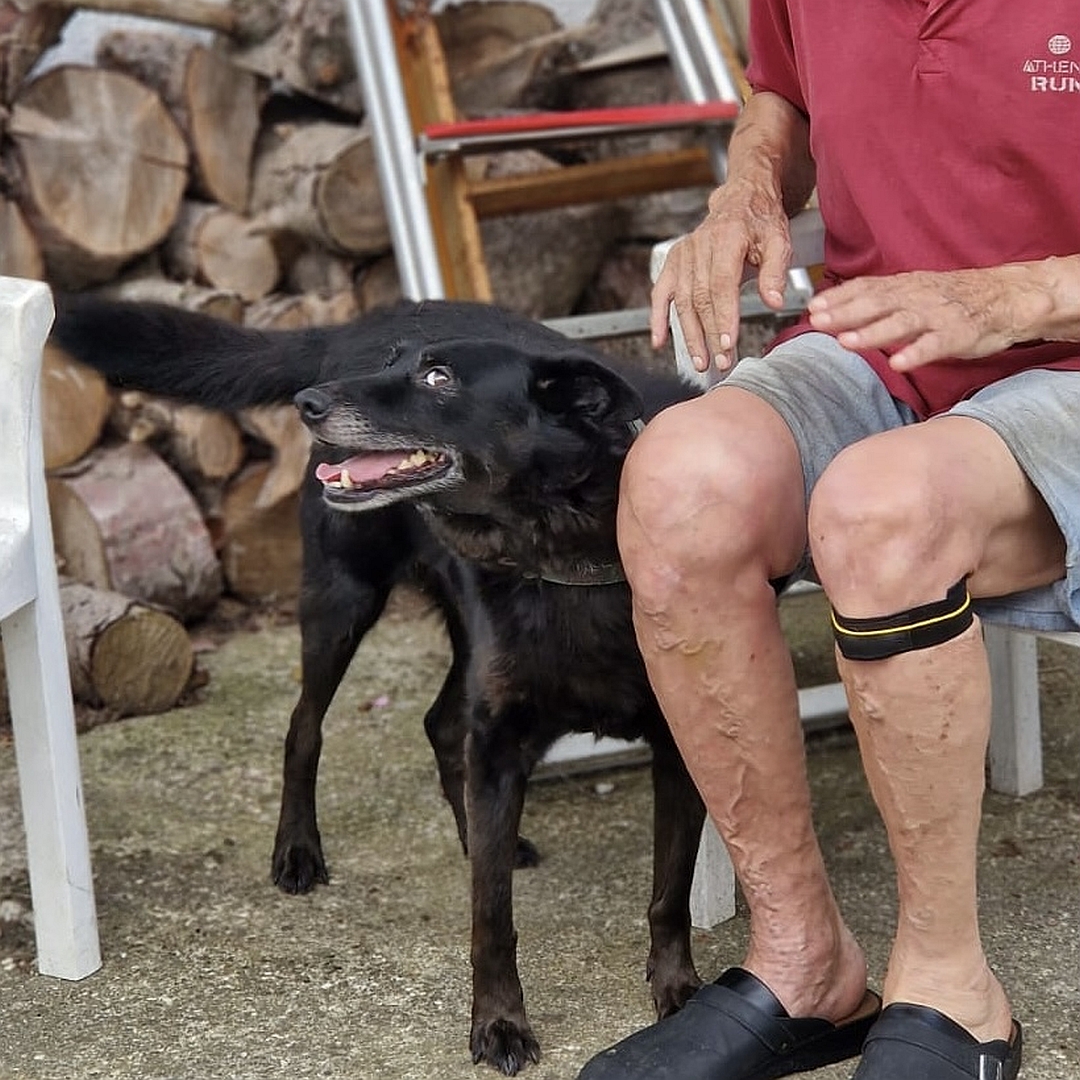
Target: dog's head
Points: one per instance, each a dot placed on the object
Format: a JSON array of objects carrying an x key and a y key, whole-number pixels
[{"x": 454, "y": 422}]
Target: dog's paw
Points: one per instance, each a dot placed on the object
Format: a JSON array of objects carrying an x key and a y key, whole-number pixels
[
  {"x": 298, "y": 868},
  {"x": 525, "y": 854},
  {"x": 672, "y": 992},
  {"x": 504, "y": 1044}
]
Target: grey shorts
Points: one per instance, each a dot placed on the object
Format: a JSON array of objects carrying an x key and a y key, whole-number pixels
[{"x": 831, "y": 398}]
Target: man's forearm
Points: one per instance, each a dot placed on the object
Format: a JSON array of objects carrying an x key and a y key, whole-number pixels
[
  {"x": 1053, "y": 311},
  {"x": 770, "y": 150}
]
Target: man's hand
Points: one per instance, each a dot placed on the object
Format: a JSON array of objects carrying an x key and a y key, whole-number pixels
[
  {"x": 704, "y": 270},
  {"x": 770, "y": 175},
  {"x": 966, "y": 314}
]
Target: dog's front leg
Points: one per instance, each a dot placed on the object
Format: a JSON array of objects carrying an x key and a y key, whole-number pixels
[
  {"x": 495, "y": 794},
  {"x": 334, "y": 616},
  {"x": 298, "y": 864},
  {"x": 678, "y": 815}
]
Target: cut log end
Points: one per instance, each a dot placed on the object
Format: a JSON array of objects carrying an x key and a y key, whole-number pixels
[
  {"x": 142, "y": 662},
  {"x": 124, "y": 656},
  {"x": 318, "y": 181},
  {"x": 102, "y": 168},
  {"x": 222, "y": 249}
]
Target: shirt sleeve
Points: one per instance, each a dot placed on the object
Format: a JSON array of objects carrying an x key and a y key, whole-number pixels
[{"x": 773, "y": 65}]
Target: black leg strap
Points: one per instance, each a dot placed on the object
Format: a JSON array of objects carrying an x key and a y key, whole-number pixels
[{"x": 919, "y": 628}]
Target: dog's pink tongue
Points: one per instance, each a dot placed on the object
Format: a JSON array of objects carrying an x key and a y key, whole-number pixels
[{"x": 360, "y": 468}]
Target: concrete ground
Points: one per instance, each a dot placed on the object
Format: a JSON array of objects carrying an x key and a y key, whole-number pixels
[{"x": 210, "y": 973}]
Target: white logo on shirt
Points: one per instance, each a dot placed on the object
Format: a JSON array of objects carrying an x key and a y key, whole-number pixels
[{"x": 1054, "y": 75}]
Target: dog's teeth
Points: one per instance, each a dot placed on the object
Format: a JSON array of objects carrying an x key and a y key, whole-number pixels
[
  {"x": 415, "y": 460},
  {"x": 346, "y": 480}
]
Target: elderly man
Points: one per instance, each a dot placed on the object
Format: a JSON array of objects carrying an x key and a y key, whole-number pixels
[{"x": 914, "y": 443}]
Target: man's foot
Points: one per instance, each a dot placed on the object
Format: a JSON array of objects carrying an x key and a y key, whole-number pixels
[
  {"x": 734, "y": 1029},
  {"x": 911, "y": 1041}
]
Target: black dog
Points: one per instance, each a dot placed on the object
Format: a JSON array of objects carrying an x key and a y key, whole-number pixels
[{"x": 483, "y": 451}]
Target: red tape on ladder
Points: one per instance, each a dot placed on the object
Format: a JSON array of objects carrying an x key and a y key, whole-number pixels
[{"x": 666, "y": 115}]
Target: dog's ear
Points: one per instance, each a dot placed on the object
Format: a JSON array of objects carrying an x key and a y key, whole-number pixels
[{"x": 577, "y": 385}]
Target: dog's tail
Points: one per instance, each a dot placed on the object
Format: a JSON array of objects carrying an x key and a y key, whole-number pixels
[{"x": 190, "y": 356}]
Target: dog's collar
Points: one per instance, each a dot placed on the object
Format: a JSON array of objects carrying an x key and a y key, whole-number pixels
[{"x": 580, "y": 573}]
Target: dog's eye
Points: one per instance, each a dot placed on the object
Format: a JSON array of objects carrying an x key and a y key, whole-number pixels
[{"x": 436, "y": 376}]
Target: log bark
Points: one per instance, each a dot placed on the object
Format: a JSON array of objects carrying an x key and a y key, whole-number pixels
[
  {"x": 502, "y": 54},
  {"x": 316, "y": 270},
  {"x": 279, "y": 311},
  {"x": 302, "y": 43},
  {"x": 216, "y": 247},
  {"x": 564, "y": 247},
  {"x": 124, "y": 656},
  {"x": 122, "y": 520},
  {"x": 261, "y": 552},
  {"x": 214, "y": 102},
  {"x": 204, "y": 13},
  {"x": 289, "y": 311},
  {"x": 305, "y": 44},
  {"x": 331, "y": 308},
  {"x": 100, "y": 168},
  {"x": 378, "y": 284},
  {"x": 200, "y": 444},
  {"x": 20, "y": 253},
  {"x": 27, "y": 29},
  {"x": 318, "y": 181},
  {"x": 281, "y": 429},
  {"x": 75, "y": 403},
  {"x": 152, "y": 288}
]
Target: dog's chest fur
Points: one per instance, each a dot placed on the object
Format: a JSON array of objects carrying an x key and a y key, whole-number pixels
[{"x": 563, "y": 656}]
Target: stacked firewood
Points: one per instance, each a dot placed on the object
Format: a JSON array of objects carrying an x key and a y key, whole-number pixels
[{"x": 235, "y": 175}]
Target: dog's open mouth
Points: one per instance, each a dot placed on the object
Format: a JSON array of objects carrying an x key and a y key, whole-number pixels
[{"x": 365, "y": 475}]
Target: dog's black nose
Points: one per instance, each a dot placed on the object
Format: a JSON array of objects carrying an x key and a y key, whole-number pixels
[{"x": 313, "y": 404}]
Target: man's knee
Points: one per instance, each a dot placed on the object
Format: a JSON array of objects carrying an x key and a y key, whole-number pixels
[
  {"x": 880, "y": 538},
  {"x": 669, "y": 495},
  {"x": 693, "y": 498}
]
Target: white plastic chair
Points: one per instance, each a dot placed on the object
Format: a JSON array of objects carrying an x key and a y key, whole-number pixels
[{"x": 35, "y": 657}]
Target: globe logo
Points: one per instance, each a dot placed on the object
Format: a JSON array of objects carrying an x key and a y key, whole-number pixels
[{"x": 1059, "y": 44}]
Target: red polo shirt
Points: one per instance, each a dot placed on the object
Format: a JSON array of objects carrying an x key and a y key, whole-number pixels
[{"x": 946, "y": 135}]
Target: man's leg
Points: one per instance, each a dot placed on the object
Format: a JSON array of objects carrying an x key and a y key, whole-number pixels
[
  {"x": 712, "y": 508},
  {"x": 894, "y": 523}
]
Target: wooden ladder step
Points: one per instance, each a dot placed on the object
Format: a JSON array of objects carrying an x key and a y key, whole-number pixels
[{"x": 591, "y": 181}]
